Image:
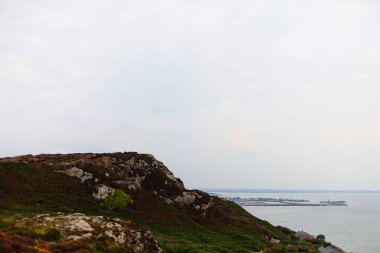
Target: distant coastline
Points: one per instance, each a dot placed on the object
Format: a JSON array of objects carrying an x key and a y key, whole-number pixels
[
  {"x": 285, "y": 204},
  {"x": 261, "y": 201},
  {"x": 238, "y": 190}
]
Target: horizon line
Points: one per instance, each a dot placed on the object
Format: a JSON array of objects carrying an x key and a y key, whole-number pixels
[{"x": 272, "y": 190}]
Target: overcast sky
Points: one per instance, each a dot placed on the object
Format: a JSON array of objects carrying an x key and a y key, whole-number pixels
[{"x": 244, "y": 94}]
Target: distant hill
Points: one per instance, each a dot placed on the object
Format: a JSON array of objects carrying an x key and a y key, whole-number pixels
[{"x": 122, "y": 202}]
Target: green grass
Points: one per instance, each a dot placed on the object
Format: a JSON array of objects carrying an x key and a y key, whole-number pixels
[
  {"x": 119, "y": 201},
  {"x": 226, "y": 239}
]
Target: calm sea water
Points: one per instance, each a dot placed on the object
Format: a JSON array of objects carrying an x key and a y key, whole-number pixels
[{"x": 354, "y": 228}]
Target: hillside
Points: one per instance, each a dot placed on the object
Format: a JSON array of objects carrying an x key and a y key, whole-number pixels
[{"x": 71, "y": 203}]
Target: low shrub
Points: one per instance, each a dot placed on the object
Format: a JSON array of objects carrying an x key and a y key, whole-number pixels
[
  {"x": 51, "y": 235},
  {"x": 119, "y": 201}
]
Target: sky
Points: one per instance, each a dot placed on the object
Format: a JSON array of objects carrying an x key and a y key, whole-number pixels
[{"x": 227, "y": 93}]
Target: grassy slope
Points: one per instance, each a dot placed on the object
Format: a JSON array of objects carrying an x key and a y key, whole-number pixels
[{"x": 27, "y": 189}]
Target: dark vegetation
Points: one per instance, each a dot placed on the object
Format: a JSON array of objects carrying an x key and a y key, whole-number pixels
[
  {"x": 27, "y": 189},
  {"x": 35, "y": 188}
]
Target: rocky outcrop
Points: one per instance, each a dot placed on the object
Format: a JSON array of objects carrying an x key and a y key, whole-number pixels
[
  {"x": 79, "y": 227},
  {"x": 78, "y": 173},
  {"x": 186, "y": 198},
  {"x": 102, "y": 191},
  {"x": 130, "y": 171}
]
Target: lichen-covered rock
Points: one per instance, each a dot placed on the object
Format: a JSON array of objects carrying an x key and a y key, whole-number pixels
[
  {"x": 78, "y": 227},
  {"x": 200, "y": 201},
  {"x": 186, "y": 198},
  {"x": 102, "y": 191},
  {"x": 78, "y": 173}
]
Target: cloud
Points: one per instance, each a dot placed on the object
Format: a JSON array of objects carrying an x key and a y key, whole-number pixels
[{"x": 282, "y": 93}]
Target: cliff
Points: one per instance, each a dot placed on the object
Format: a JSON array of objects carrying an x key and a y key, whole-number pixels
[{"x": 61, "y": 203}]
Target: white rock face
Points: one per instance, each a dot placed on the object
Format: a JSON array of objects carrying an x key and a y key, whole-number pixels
[
  {"x": 80, "y": 225},
  {"x": 186, "y": 198},
  {"x": 102, "y": 191},
  {"x": 205, "y": 206},
  {"x": 134, "y": 171},
  {"x": 49, "y": 219},
  {"x": 87, "y": 236},
  {"x": 73, "y": 238},
  {"x": 78, "y": 173},
  {"x": 120, "y": 238},
  {"x": 189, "y": 198},
  {"x": 274, "y": 240},
  {"x": 133, "y": 162},
  {"x": 76, "y": 227}
]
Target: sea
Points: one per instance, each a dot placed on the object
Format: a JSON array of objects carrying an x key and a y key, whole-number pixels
[{"x": 354, "y": 228}]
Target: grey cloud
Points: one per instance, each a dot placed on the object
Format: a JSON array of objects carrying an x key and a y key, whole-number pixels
[{"x": 272, "y": 94}]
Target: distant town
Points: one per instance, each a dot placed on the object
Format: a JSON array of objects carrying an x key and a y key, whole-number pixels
[{"x": 281, "y": 202}]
